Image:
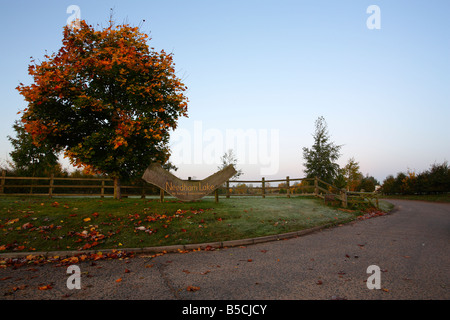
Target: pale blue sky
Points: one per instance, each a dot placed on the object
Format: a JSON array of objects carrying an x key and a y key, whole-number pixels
[{"x": 277, "y": 65}]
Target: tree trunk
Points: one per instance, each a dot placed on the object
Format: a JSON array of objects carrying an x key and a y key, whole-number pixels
[{"x": 117, "y": 193}]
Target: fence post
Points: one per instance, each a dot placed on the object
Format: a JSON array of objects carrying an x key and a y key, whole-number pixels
[
  {"x": 263, "y": 187},
  {"x": 216, "y": 196},
  {"x": 228, "y": 189},
  {"x": 316, "y": 186},
  {"x": 143, "y": 192},
  {"x": 344, "y": 198},
  {"x": 2, "y": 186},
  {"x": 161, "y": 195},
  {"x": 50, "y": 190},
  {"x": 288, "y": 193},
  {"x": 102, "y": 191}
]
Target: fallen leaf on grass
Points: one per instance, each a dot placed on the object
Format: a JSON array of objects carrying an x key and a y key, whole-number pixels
[
  {"x": 27, "y": 225},
  {"x": 89, "y": 245},
  {"x": 12, "y": 221},
  {"x": 119, "y": 280}
]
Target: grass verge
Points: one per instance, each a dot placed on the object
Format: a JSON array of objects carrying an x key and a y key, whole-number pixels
[
  {"x": 43, "y": 224},
  {"x": 444, "y": 197}
]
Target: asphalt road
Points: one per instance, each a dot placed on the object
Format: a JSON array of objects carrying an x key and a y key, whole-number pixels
[{"x": 410, "y": 247}]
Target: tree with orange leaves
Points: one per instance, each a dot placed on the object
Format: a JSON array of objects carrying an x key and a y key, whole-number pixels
[{"x": 106, "y": 100}]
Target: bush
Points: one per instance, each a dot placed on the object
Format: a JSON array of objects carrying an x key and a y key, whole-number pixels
[{"x": 436, "y": 180}]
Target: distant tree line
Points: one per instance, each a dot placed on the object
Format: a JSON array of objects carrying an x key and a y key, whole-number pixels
[{"x": 432, "y": 181}]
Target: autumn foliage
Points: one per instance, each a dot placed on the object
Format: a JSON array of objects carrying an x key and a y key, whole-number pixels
[{"x": 106, "y": 99}]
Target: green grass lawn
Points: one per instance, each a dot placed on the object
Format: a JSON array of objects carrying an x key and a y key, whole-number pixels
[
  {"x": 43, "y": 224},
  {"x": 444, "y": 197}
]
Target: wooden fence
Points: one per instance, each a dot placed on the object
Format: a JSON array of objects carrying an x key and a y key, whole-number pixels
[
  {"x": 55, "y": 186},
  {"x": 288, "y": 187}
]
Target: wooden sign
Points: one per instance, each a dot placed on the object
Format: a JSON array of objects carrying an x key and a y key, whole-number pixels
[{"x": 186, "y": 190}]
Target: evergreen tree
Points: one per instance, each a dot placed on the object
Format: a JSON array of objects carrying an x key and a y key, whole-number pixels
[
  {"x": 29, "y": 159},
  {"x": 320, "y": 160}
]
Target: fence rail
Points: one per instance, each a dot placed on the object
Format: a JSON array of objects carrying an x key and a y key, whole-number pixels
[
  {"x": 57, "y": 186},
  {"x": 102, "y": 187}
]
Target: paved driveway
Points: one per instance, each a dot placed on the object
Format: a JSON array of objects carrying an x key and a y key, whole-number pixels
[{"x": 410, "y": 247}]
